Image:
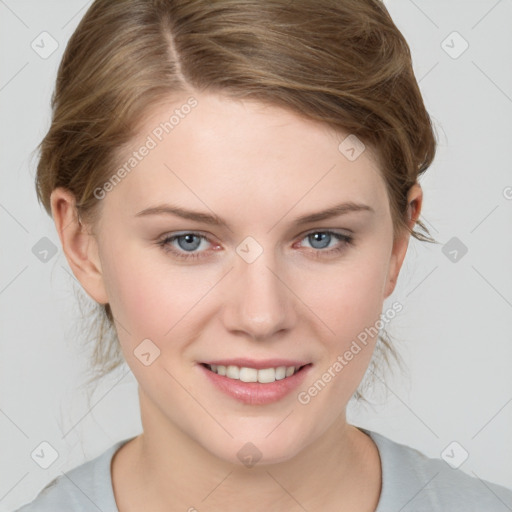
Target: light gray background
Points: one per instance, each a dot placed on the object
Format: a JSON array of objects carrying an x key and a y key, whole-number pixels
[{"x": 455, "y": 328}]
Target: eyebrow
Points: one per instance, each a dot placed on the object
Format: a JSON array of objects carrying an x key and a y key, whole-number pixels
[{"x": 214, "y": 220}]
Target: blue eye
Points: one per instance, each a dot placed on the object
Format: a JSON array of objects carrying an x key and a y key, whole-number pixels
[
  {"x": 186, "y": 242},
  {"x": 325, "y": 238},
  {"x": 189, "y": 242}
]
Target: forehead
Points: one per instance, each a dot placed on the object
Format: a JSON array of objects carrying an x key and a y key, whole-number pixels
[{"x": 233, "y": 152}]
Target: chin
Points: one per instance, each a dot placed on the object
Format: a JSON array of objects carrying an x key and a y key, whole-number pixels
[{"x": 256, "y": 449}]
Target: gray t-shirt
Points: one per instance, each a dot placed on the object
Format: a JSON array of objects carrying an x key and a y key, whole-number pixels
[{"x": 411, "y": 482}]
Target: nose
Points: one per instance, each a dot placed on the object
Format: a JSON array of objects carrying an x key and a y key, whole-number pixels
[{"x": 260, "y": 302}]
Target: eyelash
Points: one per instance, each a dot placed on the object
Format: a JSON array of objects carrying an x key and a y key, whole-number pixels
[{"x": 165, "y": 244}]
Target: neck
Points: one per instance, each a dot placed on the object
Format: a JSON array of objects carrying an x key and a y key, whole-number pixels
[{"x": 168, "y": 470}]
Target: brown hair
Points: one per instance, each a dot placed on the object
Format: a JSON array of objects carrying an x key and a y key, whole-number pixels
[{"x": 341, "y": 62}]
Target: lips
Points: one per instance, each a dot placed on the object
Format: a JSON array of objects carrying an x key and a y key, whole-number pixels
[{"x": 256, "y": 382}]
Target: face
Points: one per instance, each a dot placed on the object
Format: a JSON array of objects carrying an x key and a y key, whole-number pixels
[{"x": 245, "y": 284}]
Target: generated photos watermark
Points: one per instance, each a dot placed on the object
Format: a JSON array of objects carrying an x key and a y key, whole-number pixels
[
  {"x": 357, "y": 345},
  {"x": 157, "y": 135}
]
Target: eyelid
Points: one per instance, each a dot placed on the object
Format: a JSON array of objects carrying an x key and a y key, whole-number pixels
[{"x": 339, "y": 231}]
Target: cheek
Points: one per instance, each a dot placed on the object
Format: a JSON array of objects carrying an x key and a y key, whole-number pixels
[
  {"x": 135, "y": 300},
  {"x": 349, "y": 301},
  {"x": 151, "y": 297},
  {"x": 349, "y": 297}
]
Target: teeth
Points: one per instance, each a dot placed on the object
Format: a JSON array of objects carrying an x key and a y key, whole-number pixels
[
  {"x": 248, "y": 375},
  {"x": 245, "y": 374},
  {"x": 233, "y": 372}
]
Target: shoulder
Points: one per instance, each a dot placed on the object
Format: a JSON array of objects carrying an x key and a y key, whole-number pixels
[
  {"x": 86, "y": 487},
  {"x": 411, "y": 481}
]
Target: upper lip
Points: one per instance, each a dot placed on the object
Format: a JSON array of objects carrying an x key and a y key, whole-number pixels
[{"x": 257, "y": 364}]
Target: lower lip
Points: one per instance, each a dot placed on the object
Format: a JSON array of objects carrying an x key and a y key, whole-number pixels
[{"x": 256, "y": 393}]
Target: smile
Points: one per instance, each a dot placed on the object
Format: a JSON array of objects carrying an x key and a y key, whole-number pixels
[
  {"x": 272, "y": 381},
  {"x": 246, "y": 374}
]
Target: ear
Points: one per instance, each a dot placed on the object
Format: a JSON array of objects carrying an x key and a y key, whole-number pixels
[
  {"x": 400, "y": 244},
  {"x": 78, "y": 244}
]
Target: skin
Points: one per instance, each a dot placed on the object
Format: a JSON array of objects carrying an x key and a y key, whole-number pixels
[{"x": 258, "y": 167}]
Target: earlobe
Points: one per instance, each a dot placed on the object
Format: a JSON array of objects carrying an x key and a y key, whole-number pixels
[
  {"x": 400, "y": 245},
  {"x": 79, "y": 246}
]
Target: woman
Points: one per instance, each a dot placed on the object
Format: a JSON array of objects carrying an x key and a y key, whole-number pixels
[{"x": 236, "y": 184}]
